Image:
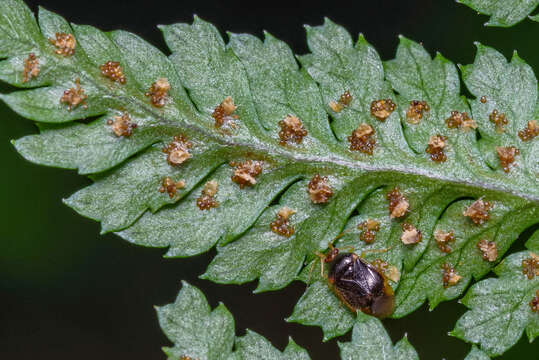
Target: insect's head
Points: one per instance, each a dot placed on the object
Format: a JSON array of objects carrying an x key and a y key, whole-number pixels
[{"x": 332, "y": 254}]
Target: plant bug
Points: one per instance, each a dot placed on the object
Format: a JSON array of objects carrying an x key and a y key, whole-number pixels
[{"x": 357, "y": 283}]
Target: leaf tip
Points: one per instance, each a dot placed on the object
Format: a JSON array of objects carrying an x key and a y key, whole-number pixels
[
  {"x": 68, "y": 201},
  {"x": 516, "y": 58},
  {"x": 326, "y": 338},
  {"x": 361, "y": 38},
  {"x": 327, "y": 21},
  {"x": 404, "y": 41},
  {"x": 258, "y": 290},
  {"x": 290, "y": 319},
  {"x": 455, "y": 333},
  {"x": 185, "y": 285},
  {"x": 204, "y": 276}
]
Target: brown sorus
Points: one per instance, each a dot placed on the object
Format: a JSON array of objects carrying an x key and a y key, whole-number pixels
[
  {"x": 443, "y": 239},
  {"x": 368, "y": 228},
  {"x": 499, "y": 120},
  {"x": 507, "y": 154},
  {"x": 170, "y": 186},
  {"x": 435, "y": 148},
  {"x": 531, "y": 131},
  {"x": 291, "y": 130},
  {"x": 246, "y": 172},
  {"x": 178, "y": 150},
  {"x": 483, "y": 99},
  {"x": 122, "y": 125},
  {"x": 460, "y": 120},
  {"x": 488, "y": 250},
  {"x": 64, "y": 43},
  {"x": 31, "y": 68},
  {"x": 158, "y": 92},
  {"x": 416, "y": 110},
  {"x": 319, "y": 189},
  {"x": 113, "y": 71},
  {"x": 530, "y": 266},
  {"x": 410, "y": 234},
  {"x": 74, "y": 97},
  {"x": 344, "y": 100},
  {"x": 381, "y": 109},
  {"x": 224, "y": 113},
  {"x": 280, "y": 225},
  {"x": 207, "y": 200},
  {"x": 390, "y": 271},
  {"x": 398, "y": 204},
  {"x": 362, "y": 139},
  {"x": 478, "y": 211},
  {"x": 450, "y": 277},
  {"x": 534, "y": 303}
]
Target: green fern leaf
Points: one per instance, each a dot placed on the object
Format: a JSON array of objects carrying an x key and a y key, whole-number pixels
[
  {"x": 188, "y": 194},
  {"x": 195, "y": 330},
  {"x": 201, "y": 333},
  {"x": 476, "y": 354},
  {"x": 501, "y": 309},
  {"x": 504, "y": 13},
  {"x": 371, "y": 341}
]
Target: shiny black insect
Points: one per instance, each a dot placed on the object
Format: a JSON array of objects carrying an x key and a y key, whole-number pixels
[{"x": 359, "y": 284}]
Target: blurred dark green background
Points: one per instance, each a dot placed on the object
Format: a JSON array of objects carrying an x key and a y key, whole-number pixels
[{"x": 67, "y": 292}]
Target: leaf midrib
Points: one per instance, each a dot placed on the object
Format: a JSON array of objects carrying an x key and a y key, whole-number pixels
[
  {"x": 342, "y": 164},
  {"x": 339, "y": 164}
]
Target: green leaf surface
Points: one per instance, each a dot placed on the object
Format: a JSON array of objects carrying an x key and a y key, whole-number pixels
[
  {"x": 500, "y": 309},
  {"x": 205, "y": 334},
  {"x": 319, "y": 307},
  {"x": 371, "y": 341},
  {"x": 268, "y": 84},
  {"x": 476, "y": 354},
  {"x": 201, "y": 333},
  {"x": 195, "y": 329},
  {"x": 504, "y": 13},
  {"x": 425, "y": 281}
]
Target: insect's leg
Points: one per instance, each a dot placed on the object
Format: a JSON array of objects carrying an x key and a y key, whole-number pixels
[
  {"x": 322, "y": 257},
  {"x": 350, "y": 248},
  {"x": 330, "y": 244},
  {"x": 310, "y": 273},
  {"x": 375, "y": 251}
]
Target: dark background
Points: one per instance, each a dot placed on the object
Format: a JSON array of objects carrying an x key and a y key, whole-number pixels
[{"x": 68, "y": 293}]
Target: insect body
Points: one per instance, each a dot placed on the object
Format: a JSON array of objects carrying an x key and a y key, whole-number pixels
[{"x": 359, "y": 284}]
